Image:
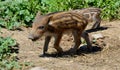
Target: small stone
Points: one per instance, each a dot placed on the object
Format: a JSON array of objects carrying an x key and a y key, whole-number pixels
[
  {"x": 37, "y": 68},
  {"x": 71, "y": 61},
  {"x": 97, "y": 36},
  {"x": 47, "y": 59}
]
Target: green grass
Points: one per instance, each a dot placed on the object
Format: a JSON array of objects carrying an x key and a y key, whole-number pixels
[{"x": 8, "y": 54}]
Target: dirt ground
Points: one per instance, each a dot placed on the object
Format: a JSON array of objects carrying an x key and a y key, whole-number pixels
[{"x": 108, "y": 58}]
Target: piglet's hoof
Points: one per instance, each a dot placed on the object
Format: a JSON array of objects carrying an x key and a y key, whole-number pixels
[
  {"x": 73, "y": 51},
  {"x": 89, "y": 50}
]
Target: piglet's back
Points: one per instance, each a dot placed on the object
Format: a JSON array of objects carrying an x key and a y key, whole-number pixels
[{"x": 67, "y": 20}]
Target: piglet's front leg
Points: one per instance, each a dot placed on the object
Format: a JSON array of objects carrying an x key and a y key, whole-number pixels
[{"x": 47, "y": 40}]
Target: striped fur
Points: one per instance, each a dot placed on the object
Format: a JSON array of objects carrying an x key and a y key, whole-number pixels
[{"x": 91, "y": 14}]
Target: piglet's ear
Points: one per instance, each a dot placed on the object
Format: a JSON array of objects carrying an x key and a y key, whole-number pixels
[
  {"x": 48, "y": 19},
  {"x": 38, "y": 15}
]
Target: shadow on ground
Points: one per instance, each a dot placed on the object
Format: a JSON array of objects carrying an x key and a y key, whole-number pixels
[
  {"x": 98, "y": 29},
  {"x": 81, "y": 51}
]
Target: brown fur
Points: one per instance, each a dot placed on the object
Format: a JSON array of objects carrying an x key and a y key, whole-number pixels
[
  {"x": 56, "y": 25},
  {"x": 91, "y": 14}
]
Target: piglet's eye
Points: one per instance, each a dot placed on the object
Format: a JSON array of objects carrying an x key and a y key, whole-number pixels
[{"x": 41, "y": 27}]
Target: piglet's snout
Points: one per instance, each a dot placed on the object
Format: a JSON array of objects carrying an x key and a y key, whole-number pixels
[{"x": 30, "y": 36}]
